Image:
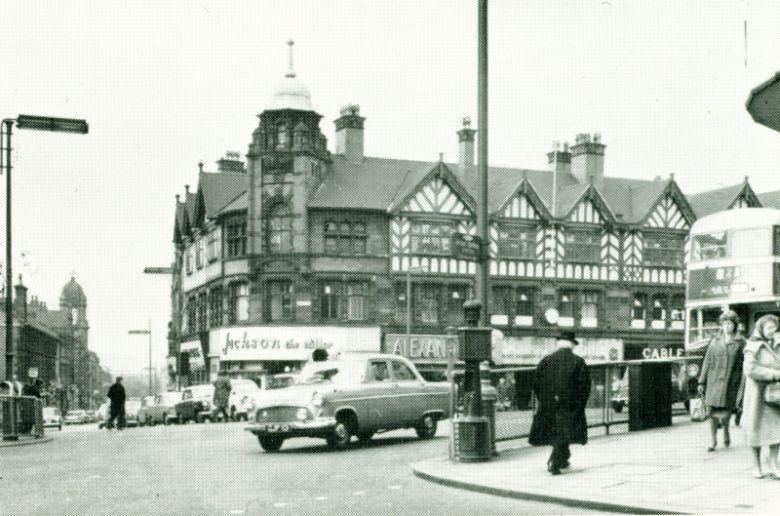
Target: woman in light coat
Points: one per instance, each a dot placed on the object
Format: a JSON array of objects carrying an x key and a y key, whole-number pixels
[
  {"x": 721, "y": 377},
  {"x": 760, "y": 420}
]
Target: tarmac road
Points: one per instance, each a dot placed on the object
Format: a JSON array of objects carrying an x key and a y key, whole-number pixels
[{"x": 212, "y": 469}]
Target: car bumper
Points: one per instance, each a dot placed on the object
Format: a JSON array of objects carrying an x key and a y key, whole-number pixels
[{"x": 319, "y": 427}]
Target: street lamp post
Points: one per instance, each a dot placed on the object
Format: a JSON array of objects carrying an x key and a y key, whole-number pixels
[
  {"x": 40, "y": 123},
  {"x": 149, "y": 333}
]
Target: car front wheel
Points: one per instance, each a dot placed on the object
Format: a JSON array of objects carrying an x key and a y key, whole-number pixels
[
  {"x": 364, "y": 437},
  {"x": 427, "y": 427},
  {"x": 271, "y": 444},
  {"x": 340, "y": 437}
]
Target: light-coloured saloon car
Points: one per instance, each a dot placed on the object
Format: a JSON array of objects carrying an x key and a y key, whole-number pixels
[{"x": 354, "y": 395}]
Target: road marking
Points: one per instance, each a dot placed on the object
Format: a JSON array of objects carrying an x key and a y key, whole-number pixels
[
  {"x": 236, "y": 511},
  {"x": 394, "y": 487},
  {"x": 280, "y": 504},
  {"x": 320, "y": 498},
  {"x": 359, "y": 493}
]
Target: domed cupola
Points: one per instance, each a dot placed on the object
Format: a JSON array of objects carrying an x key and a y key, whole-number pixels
[
  {"x": 291, "y": 92},
  {"x": 73, "y": 295}
]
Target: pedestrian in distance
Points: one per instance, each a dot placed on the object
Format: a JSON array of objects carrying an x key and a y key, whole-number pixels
[
  {"x": 222, "y": 390},
  {"x": 32, "y": 388},
  {"x": 760, "y": 420},
  {"x": 561, "y": 387},
  {"x": 116, "y": 407},
  {"x": 741, "y": 395},
  {"x": 720, "y": 380}
]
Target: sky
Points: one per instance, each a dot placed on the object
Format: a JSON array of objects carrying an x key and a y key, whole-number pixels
[{"x": 165, "y": 85}]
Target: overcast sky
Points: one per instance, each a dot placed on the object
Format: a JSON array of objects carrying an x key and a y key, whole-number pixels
[{"x": 166, "y": 84}]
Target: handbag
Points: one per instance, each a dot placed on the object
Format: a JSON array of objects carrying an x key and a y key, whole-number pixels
[
  {"x": 696, "y": 406},
  {"x": 772, "y": 389}
]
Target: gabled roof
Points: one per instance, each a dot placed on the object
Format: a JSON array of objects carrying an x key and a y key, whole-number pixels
[
  {"x": 710, "y": 201},
  {"x": 52, "y": 319},
  {"x": 439, "y": 169}
]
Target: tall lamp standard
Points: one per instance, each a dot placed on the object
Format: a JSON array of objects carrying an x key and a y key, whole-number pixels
[
  {"x": 149, "y": 333},
  {"x": 40, "y": 123}
]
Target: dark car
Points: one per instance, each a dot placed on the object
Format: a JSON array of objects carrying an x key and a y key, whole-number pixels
[{"x": 196, "y": 404}]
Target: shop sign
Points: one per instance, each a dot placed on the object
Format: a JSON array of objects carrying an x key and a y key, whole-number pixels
[
  {"x": 530, "y": 350},
  {"x": 422, "y": 347},
  {"x": 654, "y": 352},
  {"x": 253, "y": 343},
  {"x": 195, "y": 354}
]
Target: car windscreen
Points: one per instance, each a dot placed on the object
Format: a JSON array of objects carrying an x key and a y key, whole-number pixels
[
  {"x": 49, "y": 412},
  {"x": 336, "y": 371},
  {"x": 280, "y": 382}
]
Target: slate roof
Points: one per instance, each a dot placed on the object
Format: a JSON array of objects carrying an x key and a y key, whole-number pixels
[
  {"x": 770, "y": 199},
  {"x": 52, "y": 319},
  {"x": 704, "y": 203},
  {"x": 382, "y": 184},
  {"x": 219, "y": 189}
]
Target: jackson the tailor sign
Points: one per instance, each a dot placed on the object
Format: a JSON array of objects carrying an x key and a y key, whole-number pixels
[{"x": 252, "y": 343}]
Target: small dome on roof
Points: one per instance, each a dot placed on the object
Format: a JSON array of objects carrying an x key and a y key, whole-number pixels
[
  {"x": 291, "y": 93},
  {"x": 72, "y": 294}
]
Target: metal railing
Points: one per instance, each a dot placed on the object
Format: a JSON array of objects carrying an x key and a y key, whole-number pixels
[
  {"x": 608, "y": 404},
  {"x": 21, "y": 416}
]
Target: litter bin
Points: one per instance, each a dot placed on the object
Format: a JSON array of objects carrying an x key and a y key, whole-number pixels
[
  {"x": 472, "y": 439},
  {"x": 8, "y": 419},
  {"x": 649, "y": 395}
]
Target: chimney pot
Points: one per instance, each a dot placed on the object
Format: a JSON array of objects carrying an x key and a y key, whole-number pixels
[
  {"x": 186, "y": 188},
  {"x": 200, "y": 166}
]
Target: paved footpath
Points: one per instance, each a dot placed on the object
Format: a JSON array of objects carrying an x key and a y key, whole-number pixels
[{"x": 666, "y": 470}]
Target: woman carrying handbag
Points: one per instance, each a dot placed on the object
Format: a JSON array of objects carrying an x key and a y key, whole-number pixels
[
  {"x": 761, "y": 420},
  {"x": 721, "y": 377}
]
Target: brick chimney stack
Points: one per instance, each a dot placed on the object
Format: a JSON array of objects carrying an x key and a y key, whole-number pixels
[
  {"x": 560, "y": 160},
  {"x": 466, "y": 145},
  {"x": 20, "y": 301},
  {"x": 587, "y": 162},
  {"x": 231, "y": 163},
  {"x": 349, "y": 133}
]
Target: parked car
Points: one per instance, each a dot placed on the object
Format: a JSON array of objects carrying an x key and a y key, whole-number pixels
[
  {"x": 354, "y": 395},
  {"x": 52, "y": 418},
  {"x": 163, "y": 411},
  {"x": 267, "y": 383},
  {"x": 196, "y": 403},
  {"x": 102, "y": 415},
  {"x": 76, "y": 417},
  {"x": 242, "y": 390},
  {"x": 143, "y": 413},
  {"x": 132, "y": 407}
]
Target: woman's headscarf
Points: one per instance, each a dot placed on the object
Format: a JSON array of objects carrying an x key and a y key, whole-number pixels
[{"x": 758, "y": 332}]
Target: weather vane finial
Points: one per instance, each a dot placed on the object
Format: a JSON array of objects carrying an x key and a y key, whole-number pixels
[{"x": 290, "y": 71}]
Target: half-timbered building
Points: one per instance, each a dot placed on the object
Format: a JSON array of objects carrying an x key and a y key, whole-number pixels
[{"x": 300, "y": 247}]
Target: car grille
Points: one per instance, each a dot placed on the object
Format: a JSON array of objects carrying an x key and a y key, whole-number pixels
[{"x": 277, "y": 414}]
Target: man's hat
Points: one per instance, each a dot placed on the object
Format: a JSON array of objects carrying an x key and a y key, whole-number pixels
[{"x": 568, "y": 335}]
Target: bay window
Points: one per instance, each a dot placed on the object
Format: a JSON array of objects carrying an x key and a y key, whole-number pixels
[
  {"x": 357, "y": 301},
  {"x": 516, "y": 242},
  {"x": 582, "y": 246},
  {"x": 345, "y": 238},
  {"x": 235, "y": 238},
  {"x": 430, "y": 238},
  {"x": 663, "y": 249}
]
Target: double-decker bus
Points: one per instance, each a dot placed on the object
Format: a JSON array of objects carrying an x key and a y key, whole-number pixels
[{"x": 733, "y": 262}]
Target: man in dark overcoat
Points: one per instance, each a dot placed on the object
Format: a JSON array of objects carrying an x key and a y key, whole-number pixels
[
  {"x": 561, "y": 386},
  {"x": 116, "y": 407}
]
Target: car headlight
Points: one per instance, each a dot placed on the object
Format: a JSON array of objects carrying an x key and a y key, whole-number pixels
[
  {"x": 316, "y": 399},
  {"x": 302, "y": 414}
]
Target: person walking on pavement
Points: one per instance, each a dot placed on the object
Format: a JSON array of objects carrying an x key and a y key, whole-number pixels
[
  {"x": 116, "y": 408},
  {"x": 720, "y": 381},
  {"x": 760, "y": 420},
  {"x": 561, "y": 385},
  {"x": 222, "y": 390}
]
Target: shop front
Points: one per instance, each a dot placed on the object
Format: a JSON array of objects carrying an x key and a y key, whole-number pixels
[
  {"x": 193, "y": 369},
  {"x": 243, "y": 351},
  {"x": 514, "y": 358},
  {"x": 430, "y": 353}
]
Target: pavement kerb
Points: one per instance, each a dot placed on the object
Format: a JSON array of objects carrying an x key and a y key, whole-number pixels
[
  {"x": 25, "y": 442},
  {"x": 584, "y": 502}
]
